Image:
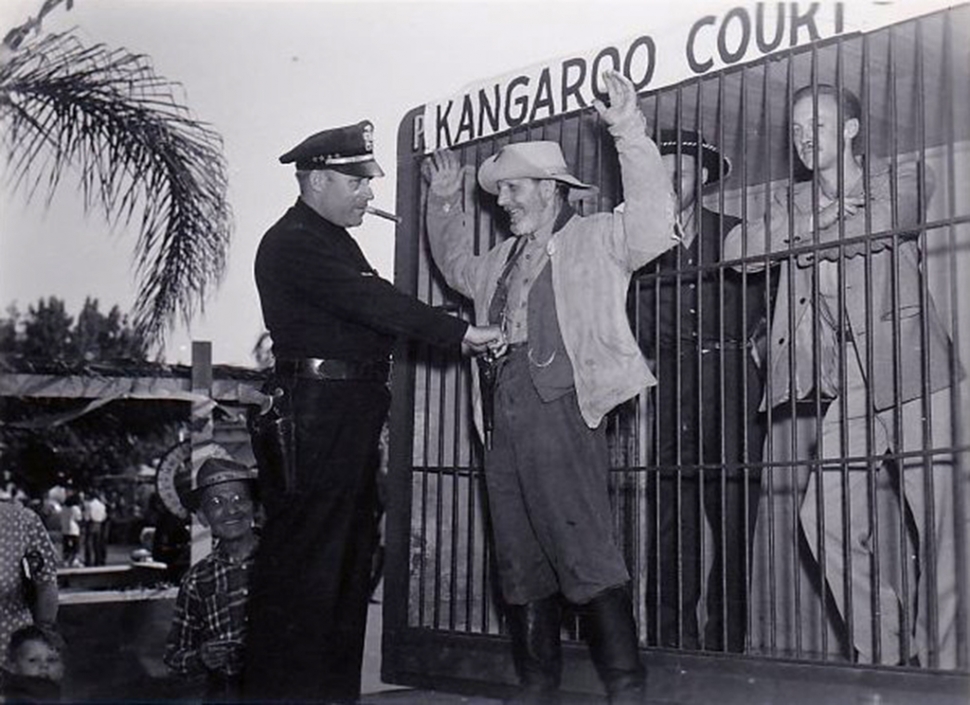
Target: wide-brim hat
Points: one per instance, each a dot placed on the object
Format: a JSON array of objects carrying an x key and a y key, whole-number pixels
[
  {"x": 348, "y": 149},
  {"x": 216, "y": 471},
  {"x": 717, "y": 165},
  {"x": 527, "y": 160}
]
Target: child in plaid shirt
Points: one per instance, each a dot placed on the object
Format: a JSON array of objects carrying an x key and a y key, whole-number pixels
[{"x": 209, "y": 628}]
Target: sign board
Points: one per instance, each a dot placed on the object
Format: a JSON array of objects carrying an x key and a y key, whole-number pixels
[{"x": 650, "y": 60}]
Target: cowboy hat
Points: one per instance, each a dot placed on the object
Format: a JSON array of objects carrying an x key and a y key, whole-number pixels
[{"x": 527, "y": 160}]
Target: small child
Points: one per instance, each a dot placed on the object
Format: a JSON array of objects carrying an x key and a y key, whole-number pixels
[
  {"x": 209, "y": 627},
  {"x": 34, "y": 667}
]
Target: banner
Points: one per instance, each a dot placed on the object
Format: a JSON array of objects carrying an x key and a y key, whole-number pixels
[{"x": 710, "y": 43}]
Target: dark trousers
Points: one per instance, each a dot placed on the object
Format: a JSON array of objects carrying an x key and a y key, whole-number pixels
[
  {"x": 309, "y": 590},
  {"x": 95, "y": 550},
  {"x": 548, "y": 495},
  {"x": 707, "y": 420}
]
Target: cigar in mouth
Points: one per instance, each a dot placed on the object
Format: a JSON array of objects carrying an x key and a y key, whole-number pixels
[{"x": 383, "y": 214}]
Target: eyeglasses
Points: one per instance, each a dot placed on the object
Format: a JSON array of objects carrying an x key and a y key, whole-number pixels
[{"x": 222, "y": 503}]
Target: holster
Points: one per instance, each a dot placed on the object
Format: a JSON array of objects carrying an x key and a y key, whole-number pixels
[
  {"x": 273, "y": 435},
  {"x": 487, "y": 372}
]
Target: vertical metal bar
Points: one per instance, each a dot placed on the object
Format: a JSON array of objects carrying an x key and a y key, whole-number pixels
[
  {"x": 927, "y": 532},
  {"x": 698, "y": 471},
  {"x": 958, "y": 427},
  {"x": 873, "y": 459},
  {"x": 725, "y": 462},
  {"x": 897, "y": 441},
  {"x": 487, "y": 545},
  {"x": 745, "y": 401},
  {"x": 769, "y": 449},
  {"x": 656, "y": 474},
  {"x": 678, "y": 477},
  {"x": 456, "y": 479},
  {"x": 423, "y": 549},
  {"x": 470, "y": 528},
  {"x": 794, "y": 459},
  {"x": 477, "y": 494},
  {"x": 440, "y": 475}
]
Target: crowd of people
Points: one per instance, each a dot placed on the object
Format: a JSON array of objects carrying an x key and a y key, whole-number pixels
[{"x": 280, "y": 613}]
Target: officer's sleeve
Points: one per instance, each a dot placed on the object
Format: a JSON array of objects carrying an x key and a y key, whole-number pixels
[{"x": 366, "y": 298}]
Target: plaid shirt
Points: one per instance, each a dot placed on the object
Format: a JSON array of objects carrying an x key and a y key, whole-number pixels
[{"x": 211, "y": 605}]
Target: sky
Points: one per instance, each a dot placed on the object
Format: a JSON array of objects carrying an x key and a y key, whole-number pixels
[{"x": 265, "y": 74}]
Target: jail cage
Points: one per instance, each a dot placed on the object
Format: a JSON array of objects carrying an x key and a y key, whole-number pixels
[{"x": 807, "y": 436}]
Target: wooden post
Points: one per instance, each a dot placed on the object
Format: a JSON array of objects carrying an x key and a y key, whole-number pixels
[{"x": 201, "y": 426}]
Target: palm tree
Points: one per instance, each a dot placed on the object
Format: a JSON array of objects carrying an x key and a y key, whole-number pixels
[{"x": 140, "y": 156}]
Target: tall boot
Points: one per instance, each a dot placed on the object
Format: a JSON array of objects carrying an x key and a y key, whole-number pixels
[
  {"x": 612, "y": 637},
  {"x": 536, "y": 649}
]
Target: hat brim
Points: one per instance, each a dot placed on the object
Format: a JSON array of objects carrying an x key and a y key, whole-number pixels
[
  {"x": 718, "y": 167},
  {"x": 370, "y": 169},
  {"x": 489, "y": 175},
  {"x": 194, "y": 499}
]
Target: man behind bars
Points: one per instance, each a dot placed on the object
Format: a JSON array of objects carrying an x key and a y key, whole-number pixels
[
  {"x": 885, "y": 360},
  {"x": 558, "y": 288},
  {"x": 698, "y": 327},
  {"x": 333, "y": 322}
]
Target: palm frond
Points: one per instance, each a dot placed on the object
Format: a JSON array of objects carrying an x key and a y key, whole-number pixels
[{"x": 139, "y": 155}]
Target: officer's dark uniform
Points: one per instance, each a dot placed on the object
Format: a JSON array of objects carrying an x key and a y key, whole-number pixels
[
  {"x": 333, "y": 322},
  {"x": 707, "y": 401}
]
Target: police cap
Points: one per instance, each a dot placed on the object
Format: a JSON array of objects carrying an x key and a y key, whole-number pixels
[
  {"x": 349, "y": 150},
  {"x": 691, "y": 144}
]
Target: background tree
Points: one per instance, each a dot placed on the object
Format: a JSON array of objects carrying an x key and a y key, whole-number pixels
[
  {"x": 47, "y": 441},
  {"x": 47, "y": 333},
  {"x": 139, "y": 155},
  {"x": 110, "y": 441}
]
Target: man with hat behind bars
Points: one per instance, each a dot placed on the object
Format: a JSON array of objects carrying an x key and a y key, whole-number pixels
[
  {"x": 333, "y": 322},
  {"x": 558, "y": 287},
  {"x": 697, "y": 323}
]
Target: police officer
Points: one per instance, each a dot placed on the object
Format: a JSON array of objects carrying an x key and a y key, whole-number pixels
[
  {"x": 698, "y": 329},
  {"x": 333, "y": 322}
]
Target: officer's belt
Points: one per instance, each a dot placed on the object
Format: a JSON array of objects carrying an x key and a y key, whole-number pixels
[{"x": 334, "y": 369}]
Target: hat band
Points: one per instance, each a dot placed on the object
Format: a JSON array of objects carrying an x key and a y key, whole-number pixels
[
  {"x": 219, "y": 477},
  {"x": 685, "y": 144},
  {"x": 356, "y": 159}
]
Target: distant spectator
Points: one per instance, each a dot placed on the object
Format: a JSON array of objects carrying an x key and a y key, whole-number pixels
[
  {"x": 34, "y": 667},
  {"x": 95, "y": 515},
  {"x": 28, "y": 572},
  {"x": 71, "y": 531}
]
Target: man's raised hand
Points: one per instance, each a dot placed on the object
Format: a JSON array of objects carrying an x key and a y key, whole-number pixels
[
  {"x": 443, "y": 172},
  {"x": 623, "y": 98}
]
